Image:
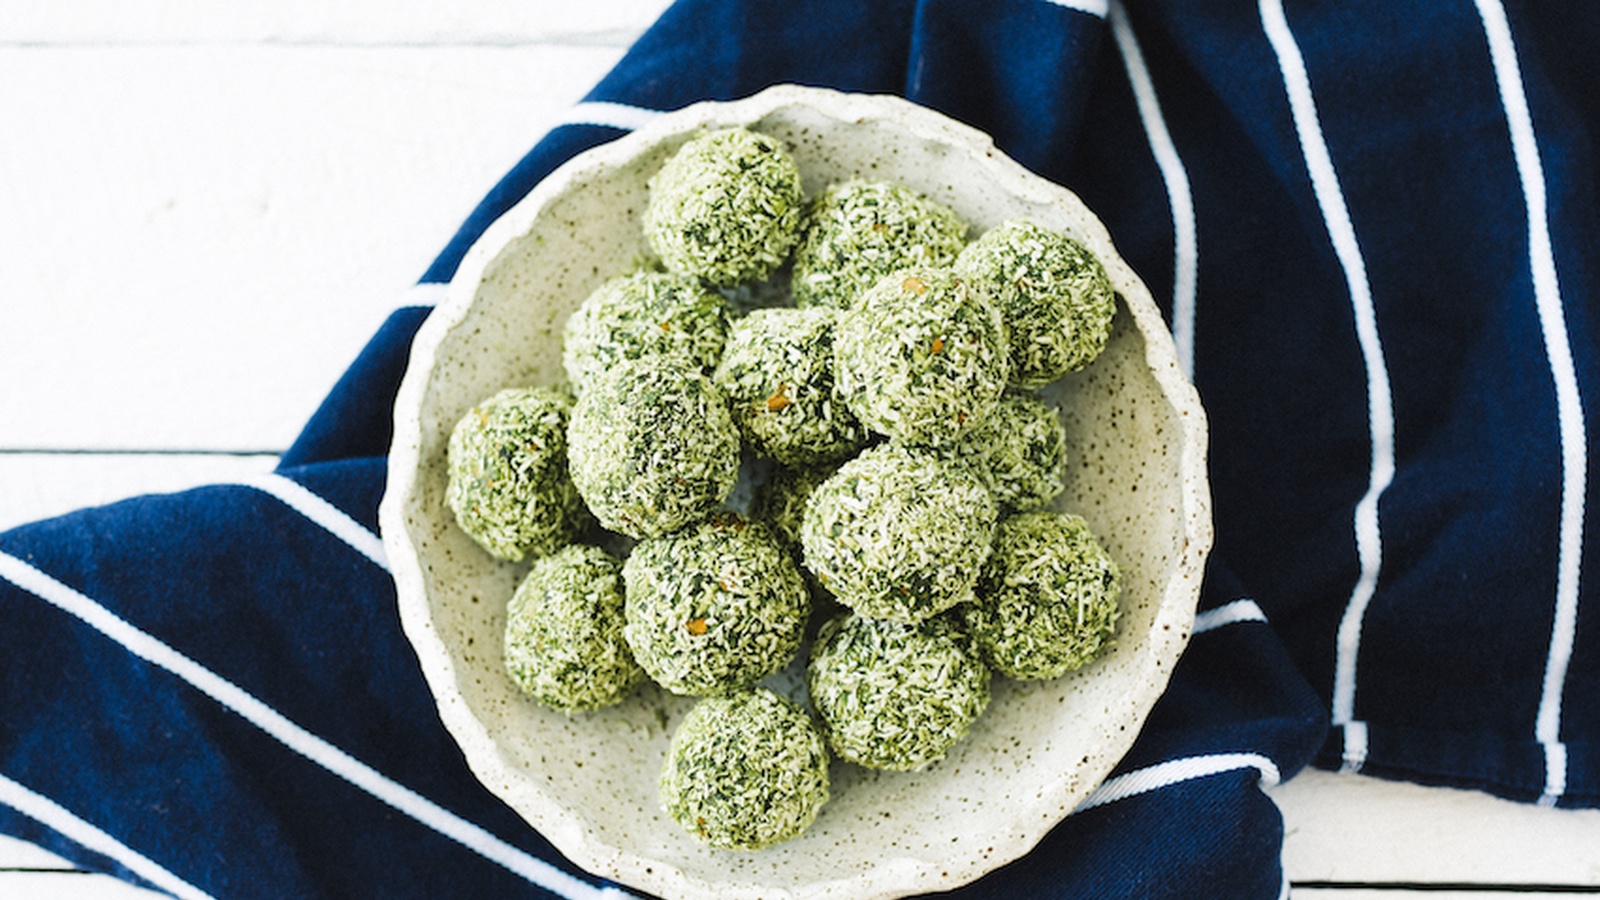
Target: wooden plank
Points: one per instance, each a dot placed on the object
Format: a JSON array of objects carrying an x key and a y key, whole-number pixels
[
  {"x": 197, "y": 241},
  {"x": 1351, "y": 829},
  {"x": 16, "y": 854},
  {"x": 613, "y": 22},
  {"x": 37, "y": 486},
  {"x": 69, "y": 886}
]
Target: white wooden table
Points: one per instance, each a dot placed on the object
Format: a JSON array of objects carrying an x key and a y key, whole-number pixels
[{"x": 206, "y": 210}]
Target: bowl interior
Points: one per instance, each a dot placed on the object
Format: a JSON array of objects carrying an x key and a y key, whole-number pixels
[{"x": 588, "y": 781}]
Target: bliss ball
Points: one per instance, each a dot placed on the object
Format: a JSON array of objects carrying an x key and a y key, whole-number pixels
[
  {"x": 714, "y": 608},
  {"x": 563, "y": 637},
  {"x": 652, "y": 449},
  {"x": 1056, "y": 297},
  {"x": 1020, "y": 452},
  {"x": 898, "y": 533},
  {"x": 646, "y": 314},
  {"x": 857, "y": 232},
  {"x": 892, "y": 695},
  {"x": 508, "y": 485},
  {"x": 777, "y": 370},
  {"x": 745, "y": 771},
  {"x": 1046, "y": 602},
  {"x": 921, "y": 357},
  {"x": 726, "y": 207}
]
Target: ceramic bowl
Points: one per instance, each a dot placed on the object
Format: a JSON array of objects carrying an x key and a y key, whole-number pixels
[{"x": 588, "y": 782}]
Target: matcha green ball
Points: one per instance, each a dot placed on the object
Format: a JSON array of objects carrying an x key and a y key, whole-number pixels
[
  {"x": 898, "y": 533},
  {"x": 652, "y": 449},
  {"x": 745, "y": 771},
  {"x": 1054, "y": 293},
  {"x": 1046, "y": 602},
  {"x": 892, "y": 695},
  {"x": 726, "y": 207},
  {"x": 857, "y": 232},
  {"x": 563, "y": 638},
  {"x": 644, "y": 315},
  {"x": 921, "y": 357},
  {"x": 508, "y": 482},
  {"x": 777, "y": 370},
  {"x": 1020, "y": 451},
  {"x": 714, "y": 608}
]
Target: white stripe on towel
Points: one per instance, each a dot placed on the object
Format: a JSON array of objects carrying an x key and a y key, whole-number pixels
[
  {"x": 424, "y": 293},
  {"x": 1185, "y": 245},
  {"x": 1569, "y": 405},
  {"x": 1244, "y": 610},
  {"x": 319, "y": 751},
  {"x": 611, "y": 115},
  {"x": 1091, "y": 7},
  {"x": 323, "y": 513},
  {"x": 1178, "y": 771},
  {"x": 1380, "y": 403},
  {"x": 64, "y": 822}
]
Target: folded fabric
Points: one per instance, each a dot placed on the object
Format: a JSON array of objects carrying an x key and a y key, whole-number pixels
[{"x": 1373, "y": 232}]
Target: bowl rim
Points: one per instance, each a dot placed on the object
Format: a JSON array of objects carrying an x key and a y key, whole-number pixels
[{"x": 1174, "y": 610}]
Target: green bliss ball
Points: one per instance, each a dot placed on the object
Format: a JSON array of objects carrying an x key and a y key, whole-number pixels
[
  {"x": 726, "y": 207},
  {"x": 714, "y": 608},
  {"x": 892, "y": 695},
  {"x": 857, "y": 232},
  {"x": 508, "y": 484},
  {"x": 745, "y": 771},
  {"x": 1021, "y": 453},
  {"x": 645, "y": 314},
  {"x": 563, "y": 639},
  {"x": 1056, "y": 297},
  {"x": 1046, "y": 602},
  {"x": 652, "y": 449},
  {"x": 777, "y": 370},
  {"x": 898, "y": 533},
  {"x": 921, "y": 357}
]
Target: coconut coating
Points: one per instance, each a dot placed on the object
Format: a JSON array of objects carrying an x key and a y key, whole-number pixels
[
  {"x": 652, "y": 449},
  {"x": 898, "y": 533},
  {"x": 1046, "y": 602},
  {"x": 745, "y": 771},
  {"x": 1021, "y": 453},
  {"x": 857, "y": 232},
  {"x": 921, "y": 357},
  {"x": 563, "y": 637},
  {"x": 726, "y": 207},
  {"x": 714, "y": 608},
  {"x": 780, "y": 500},
  {"x": 1056, "y": 297},
  {"x": 509, "y": 485},
  {"x": 777, "y": 370},
  {"x": 645, "y": 314},
  {"x": 892, "y": 695}
]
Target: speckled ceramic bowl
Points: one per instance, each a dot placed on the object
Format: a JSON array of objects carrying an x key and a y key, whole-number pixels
[{"x": 588, "y": 782}]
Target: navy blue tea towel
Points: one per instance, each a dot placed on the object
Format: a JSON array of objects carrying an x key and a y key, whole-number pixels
[{"x": 1373, "y": 229}]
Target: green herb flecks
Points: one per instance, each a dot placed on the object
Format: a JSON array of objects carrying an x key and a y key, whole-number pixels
[
  {"x": 777, "y": 370},
  {"x": 895, "y": 696},
  {"x": 745, "y": 771},
  {"x": 563, "y": 639},
  {"x": 509, "y": 486},
  {"x": 715, "y": 607},
  {"x": 725, "y": 208},
  {"x": 1046, "y": 603},
  {"x": 1056, "y": 297}
]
